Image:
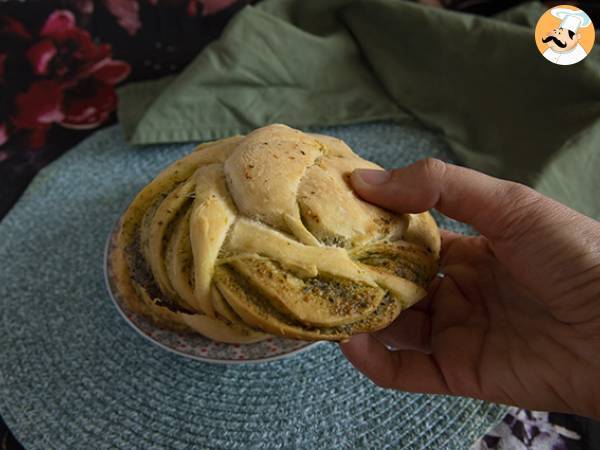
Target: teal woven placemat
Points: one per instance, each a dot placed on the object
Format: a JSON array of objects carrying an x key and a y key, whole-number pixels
[{"x": 74, "y": 375}]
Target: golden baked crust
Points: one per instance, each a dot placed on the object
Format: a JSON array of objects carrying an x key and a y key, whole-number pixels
[{"x": 263, "y": 234}]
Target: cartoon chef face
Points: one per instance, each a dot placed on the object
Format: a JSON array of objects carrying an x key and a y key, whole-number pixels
[
  {"x": 561, "y": 40},
  {"x": 564, "y": 43}
]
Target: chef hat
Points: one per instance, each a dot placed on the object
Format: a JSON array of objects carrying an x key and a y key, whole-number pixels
[{"x": 571, "y": 20}]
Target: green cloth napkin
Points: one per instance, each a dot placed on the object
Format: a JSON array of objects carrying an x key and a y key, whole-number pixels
[{"x": 479, "y": 81}]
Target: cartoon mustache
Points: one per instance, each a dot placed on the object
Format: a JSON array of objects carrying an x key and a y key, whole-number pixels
[{"x": 556, "y": 41}]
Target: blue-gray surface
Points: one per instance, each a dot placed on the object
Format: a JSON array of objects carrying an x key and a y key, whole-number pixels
[{"x": 74, "y": 375}]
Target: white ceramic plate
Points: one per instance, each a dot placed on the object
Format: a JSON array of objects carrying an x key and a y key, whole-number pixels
[{"x": 193, "y": 345}]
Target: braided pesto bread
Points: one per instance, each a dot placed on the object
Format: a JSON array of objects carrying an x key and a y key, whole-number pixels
[{"x": 258, "y": 235}]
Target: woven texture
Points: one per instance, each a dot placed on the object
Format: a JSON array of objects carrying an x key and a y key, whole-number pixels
[{"x": 74, "y": 375}]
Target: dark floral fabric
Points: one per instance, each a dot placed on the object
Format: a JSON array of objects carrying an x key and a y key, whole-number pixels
[
  {"x": 60, "y": 62},
  {"x": 531, "y": 430},
  {"x": 54, "y": 76}
]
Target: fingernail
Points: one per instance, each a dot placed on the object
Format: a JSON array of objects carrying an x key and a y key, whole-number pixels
[{"x": 373, "y": 177}]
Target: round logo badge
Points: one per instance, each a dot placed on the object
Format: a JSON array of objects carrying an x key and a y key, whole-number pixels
[{"x": 565, "y": 35}]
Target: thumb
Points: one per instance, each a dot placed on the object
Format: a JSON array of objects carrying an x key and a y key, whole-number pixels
[{"x": 460, "y": 193}]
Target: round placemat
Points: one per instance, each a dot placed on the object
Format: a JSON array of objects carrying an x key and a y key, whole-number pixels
[{"x": 73, "y": 374}]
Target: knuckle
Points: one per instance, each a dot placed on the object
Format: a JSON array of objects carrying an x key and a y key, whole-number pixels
[
  {"x": 521, "y": 210},
  {"x": 428, "y": 169},
  {"x": 433, "y": 168},
  {"x": 392, "y": 376},
  {"x": 519, "y": 193}
]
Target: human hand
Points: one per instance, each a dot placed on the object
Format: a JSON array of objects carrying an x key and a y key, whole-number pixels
[{"x": 516, "y": 317}]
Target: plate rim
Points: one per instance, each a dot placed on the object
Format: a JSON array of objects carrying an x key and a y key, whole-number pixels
[{"x": 132, "y": 324}]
